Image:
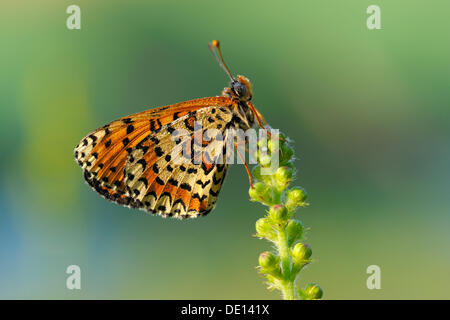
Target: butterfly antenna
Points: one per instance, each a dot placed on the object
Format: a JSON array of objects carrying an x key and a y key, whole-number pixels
[{"x": 214, "y": 46}]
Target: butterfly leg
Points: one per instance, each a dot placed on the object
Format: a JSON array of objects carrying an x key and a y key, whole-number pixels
[
  {"x": 260, "y": 121},
  {"x": 246, "y": 166}
]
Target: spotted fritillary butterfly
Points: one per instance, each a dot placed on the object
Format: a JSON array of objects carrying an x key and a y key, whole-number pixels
[{"x": 130, "y": 161}]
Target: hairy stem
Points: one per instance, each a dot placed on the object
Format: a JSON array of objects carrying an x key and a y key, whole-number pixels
[{"x": 287, "y": 285}]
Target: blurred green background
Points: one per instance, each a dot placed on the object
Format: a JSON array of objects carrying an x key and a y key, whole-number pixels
[{"x": 368, "y": 110}]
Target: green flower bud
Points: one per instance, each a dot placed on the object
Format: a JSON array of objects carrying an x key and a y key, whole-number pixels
[
  {"x": 256, "y": 172},
  {"x": 279, "y": 213},
  {"x": 283, "y": 176},
  {"x": 294, "y": 231},
  {"x": 313, "y": 292},
  {"x": 263, "y": 228},
  {"x": 296, "y": 197},
  {"x": 268, "y": 261},
  {"x": 265, "y": 160},
  {"x": 273, "y": 144},
  {"x": 301, "y": 253},
  {"x": 257, "y": 191},
  {"x": 262, "y": 143}
]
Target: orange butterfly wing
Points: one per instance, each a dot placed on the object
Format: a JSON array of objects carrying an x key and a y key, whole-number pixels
[{"x": 138, "y": 146}]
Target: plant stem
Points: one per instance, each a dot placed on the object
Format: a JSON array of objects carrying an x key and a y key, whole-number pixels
[
  {"x": 283, "y": 249},
  {"x": 287, "y": 289}
]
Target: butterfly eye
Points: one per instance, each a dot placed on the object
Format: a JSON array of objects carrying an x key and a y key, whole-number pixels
[{"x": 239, "y": 88}]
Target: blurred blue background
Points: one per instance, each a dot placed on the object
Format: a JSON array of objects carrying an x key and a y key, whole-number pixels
[{"x": 368, "y": 111}]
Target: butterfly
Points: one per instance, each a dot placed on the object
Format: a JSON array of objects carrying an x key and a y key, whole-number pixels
[{"x": 131, "y": 162}]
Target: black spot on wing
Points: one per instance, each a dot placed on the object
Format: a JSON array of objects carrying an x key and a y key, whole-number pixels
[
  {"x": 130, "y": 129},
  {"x": 192, "y": 170},
  {"x": 151, "y": 193},
  {"x": 207, "y": 170},
  {"x": 159, "y": 151},
  {"x": 180, "y": 201},
  {"x": 216, "y": 181},
  {"x": 197, "y": 196},
  {"x": 144, "y": 181},
  {"x": 168, "y": 195},
  {"x": 155, "y": 140},
  {"x": 143, "y": 163},
  {"x": 170, "y": 129},
  {"x": 199, "y": 182},
  {"x": 185, "y": 186}
]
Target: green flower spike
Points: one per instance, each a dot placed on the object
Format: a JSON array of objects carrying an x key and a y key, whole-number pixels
[{"x": 282, "y": 267}]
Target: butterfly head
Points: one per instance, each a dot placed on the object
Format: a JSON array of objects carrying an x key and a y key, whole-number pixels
[{"x": 241, "y": 88}]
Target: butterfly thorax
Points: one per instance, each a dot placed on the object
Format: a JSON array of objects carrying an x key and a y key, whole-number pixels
[{"x": 243, "y": 117}]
